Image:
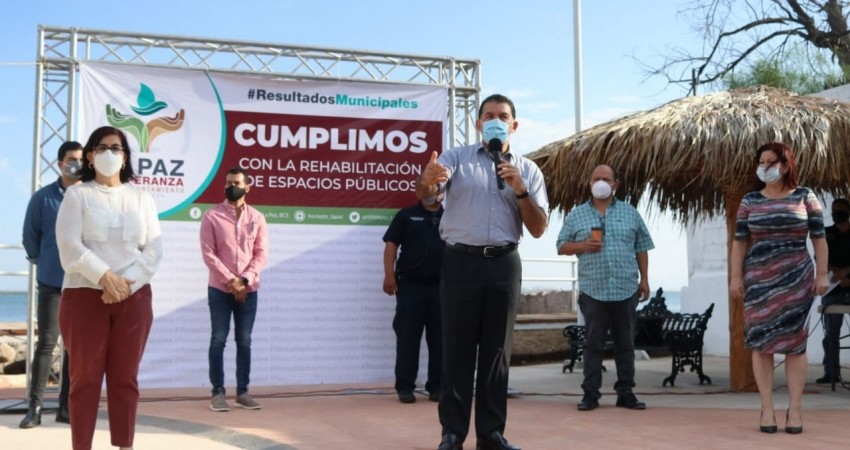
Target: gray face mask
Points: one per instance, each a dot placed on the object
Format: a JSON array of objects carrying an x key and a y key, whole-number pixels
[
  {"x": 72, "y": 169},
  {"x": 770, "y": 175}
]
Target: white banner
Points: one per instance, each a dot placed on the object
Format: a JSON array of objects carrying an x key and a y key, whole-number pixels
[{"x": 331, "y": 163}]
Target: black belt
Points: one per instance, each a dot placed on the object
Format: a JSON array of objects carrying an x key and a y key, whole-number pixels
[{"x": 488, "y": 251}]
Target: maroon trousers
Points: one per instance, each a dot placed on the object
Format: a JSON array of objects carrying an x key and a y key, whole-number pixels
[{"x": 104, "y": 339}]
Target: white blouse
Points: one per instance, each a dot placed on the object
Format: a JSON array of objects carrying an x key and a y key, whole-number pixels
[{"x": 100, "y": 228}]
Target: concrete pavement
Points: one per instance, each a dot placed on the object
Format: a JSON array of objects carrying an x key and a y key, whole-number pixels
[{"x": 543, "y": 417}]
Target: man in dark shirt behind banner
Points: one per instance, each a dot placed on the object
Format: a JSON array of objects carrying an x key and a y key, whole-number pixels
[
  {"x": 481, "y": 270},
  {"x": 838, "y": 243},
  {"x": 415, "y": 280}
]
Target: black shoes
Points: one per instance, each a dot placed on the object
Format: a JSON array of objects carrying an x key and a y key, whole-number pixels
[
  {"x": 406, "y": 397},
  {"x": 588, "y": 403},
  {"x": 434, "y": 396},
  {"x": 770, "y": 429},
  {"x": 629, "y": 401},
  {"x": 826, "y": 379},
  {"x": 792, "y": 430},
  {"x": 495, "y": 441},
  {"x": 62, "y": 414},
  {"x": 33, "y": 417},
  {"x": 450, "y": 442}
]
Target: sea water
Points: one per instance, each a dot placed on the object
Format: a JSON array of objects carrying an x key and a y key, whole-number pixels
[
  {"x": 673, "y": 300},
  {"x": 13, "y": 306}
]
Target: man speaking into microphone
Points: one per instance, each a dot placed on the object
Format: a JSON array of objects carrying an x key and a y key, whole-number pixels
[{"x": 486, "y": 206}]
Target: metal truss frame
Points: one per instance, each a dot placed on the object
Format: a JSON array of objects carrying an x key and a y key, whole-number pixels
[{"x": 61, "y": 49}]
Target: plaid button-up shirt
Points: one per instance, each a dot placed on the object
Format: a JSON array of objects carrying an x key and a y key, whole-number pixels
[{"x": 611, "y": 274}]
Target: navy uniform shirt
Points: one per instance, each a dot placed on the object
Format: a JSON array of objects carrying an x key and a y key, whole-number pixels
[
  {"x": 839, "y": 247},
  {"x": 417, "y": 231},
  {"x": 838, "y": 244}
]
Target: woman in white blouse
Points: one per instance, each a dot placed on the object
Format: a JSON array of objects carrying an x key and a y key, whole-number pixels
[{"x": 109, "y": 245}]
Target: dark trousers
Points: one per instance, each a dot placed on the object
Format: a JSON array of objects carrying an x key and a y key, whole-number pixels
[
  {"x": 831, "y": 334},
  {"x": 478, "y": 297},
  {"x": 47, "y": 314},
  {"x": 223, "y": 305},
  {"x": 600, "y": 317},
  {"x": 104, "y": 339},
  {"x": 417, "y": 309}
]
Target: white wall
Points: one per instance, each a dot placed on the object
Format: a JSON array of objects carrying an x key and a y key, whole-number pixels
[{"x": 707, "y": 282}]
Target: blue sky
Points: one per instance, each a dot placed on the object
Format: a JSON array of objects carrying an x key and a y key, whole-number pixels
[{"x": 526, "y": 51}]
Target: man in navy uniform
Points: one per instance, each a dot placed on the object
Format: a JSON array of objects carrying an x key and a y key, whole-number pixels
[
  {"x": 414, "y": 278},
  {"x": 838, "y": 243}
]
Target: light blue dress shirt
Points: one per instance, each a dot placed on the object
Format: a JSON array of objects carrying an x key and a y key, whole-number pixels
[{"x": 477, "y": 212}]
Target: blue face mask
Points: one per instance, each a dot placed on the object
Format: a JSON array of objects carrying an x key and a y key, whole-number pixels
[{"x": 495, "y": 129}]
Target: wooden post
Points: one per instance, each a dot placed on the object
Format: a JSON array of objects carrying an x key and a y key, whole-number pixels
[{"x": 740, "y": 359}]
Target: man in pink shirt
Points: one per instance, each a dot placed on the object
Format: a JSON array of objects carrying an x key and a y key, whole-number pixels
[{"x": 234, "y": 244}]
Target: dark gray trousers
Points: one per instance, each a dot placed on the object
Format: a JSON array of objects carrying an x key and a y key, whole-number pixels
[
  {"x": 47, "y": 314},
  {"x": 478, "y": 297},
  {"x": 600, "y": 317},
  {"x": 831, "y": 334},
  {"x": 417, "y": 309}
]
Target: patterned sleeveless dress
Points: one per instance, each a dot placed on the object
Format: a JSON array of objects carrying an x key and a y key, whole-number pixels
[{"x": 778, "y": 271}]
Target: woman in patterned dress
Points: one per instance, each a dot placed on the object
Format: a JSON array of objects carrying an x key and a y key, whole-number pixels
[{"x": 773, "y": 272}]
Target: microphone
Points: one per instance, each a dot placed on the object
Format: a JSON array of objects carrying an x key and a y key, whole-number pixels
[{"x": 495, "y": 148}]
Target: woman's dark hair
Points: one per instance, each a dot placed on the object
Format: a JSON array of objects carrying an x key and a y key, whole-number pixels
[
  {"x": 785, "y": 155},
  {"x": 87, "y": 171}
]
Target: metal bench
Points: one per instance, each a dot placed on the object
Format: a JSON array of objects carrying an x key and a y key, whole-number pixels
[
  {"x": 575, "y": 339},
  {"x": 683, "y": 336},
  {"x": 649, "y": 326}
]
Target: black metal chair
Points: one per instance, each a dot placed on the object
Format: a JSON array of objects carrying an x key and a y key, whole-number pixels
[{"x": 683, "y": 335}]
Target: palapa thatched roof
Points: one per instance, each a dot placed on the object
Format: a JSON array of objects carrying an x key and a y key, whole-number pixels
[{"x": 689, "y": 153}]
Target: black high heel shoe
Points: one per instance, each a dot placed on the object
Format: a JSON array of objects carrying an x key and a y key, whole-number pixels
[
  {"x": 792, "y": 430},
  {"x": 768, "y": 428}
]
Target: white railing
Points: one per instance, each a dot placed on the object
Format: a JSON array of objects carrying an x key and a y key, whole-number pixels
[
  {"x": 568, "y": 281},
  {"x": 18, "y": 273}
]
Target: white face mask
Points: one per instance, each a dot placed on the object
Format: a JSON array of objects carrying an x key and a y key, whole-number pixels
[
  {"x": 770, "y": 175},
  {"x": 601, "y": 190},
  {"x": 108, "y": 163}
]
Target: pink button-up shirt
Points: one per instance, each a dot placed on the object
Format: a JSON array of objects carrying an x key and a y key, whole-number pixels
[{"x": 234, "y": 248}]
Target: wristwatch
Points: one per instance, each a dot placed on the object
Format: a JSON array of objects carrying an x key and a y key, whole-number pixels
[
  {"x": 522, "y": 196},
  {"x": 244, "y": 281}
]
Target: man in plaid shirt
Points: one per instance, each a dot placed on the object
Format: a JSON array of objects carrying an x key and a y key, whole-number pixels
[{"x": 611, "y": 242}]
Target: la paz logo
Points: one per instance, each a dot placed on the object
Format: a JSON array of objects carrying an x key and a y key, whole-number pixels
[
  {"x": 159, "y": 176},
  {"x": 145, "y": 132}
]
